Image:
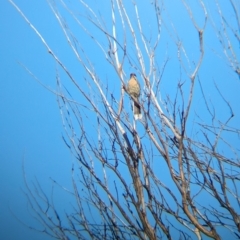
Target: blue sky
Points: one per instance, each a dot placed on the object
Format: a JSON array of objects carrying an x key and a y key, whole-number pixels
[
  {"x": 30, "y": 125},
  {"x": 30, "y": 122}
]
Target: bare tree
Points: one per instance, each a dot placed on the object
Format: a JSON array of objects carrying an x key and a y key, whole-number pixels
[{"x": 147, "y": 178}]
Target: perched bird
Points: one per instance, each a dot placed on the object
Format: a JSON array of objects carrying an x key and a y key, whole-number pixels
[{"x": 133, "y": 89}]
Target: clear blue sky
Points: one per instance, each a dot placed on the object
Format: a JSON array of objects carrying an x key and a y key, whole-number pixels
[{"x": 30, "y": 123}]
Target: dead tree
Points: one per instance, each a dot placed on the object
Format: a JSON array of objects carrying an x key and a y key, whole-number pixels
[{"x": 149, "y": 178}]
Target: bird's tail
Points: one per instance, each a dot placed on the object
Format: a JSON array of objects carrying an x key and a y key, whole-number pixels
[{"x": 137, "y": 111}]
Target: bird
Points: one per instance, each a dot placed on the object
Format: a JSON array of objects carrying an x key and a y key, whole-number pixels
[{"x": 134, "y": 89}]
